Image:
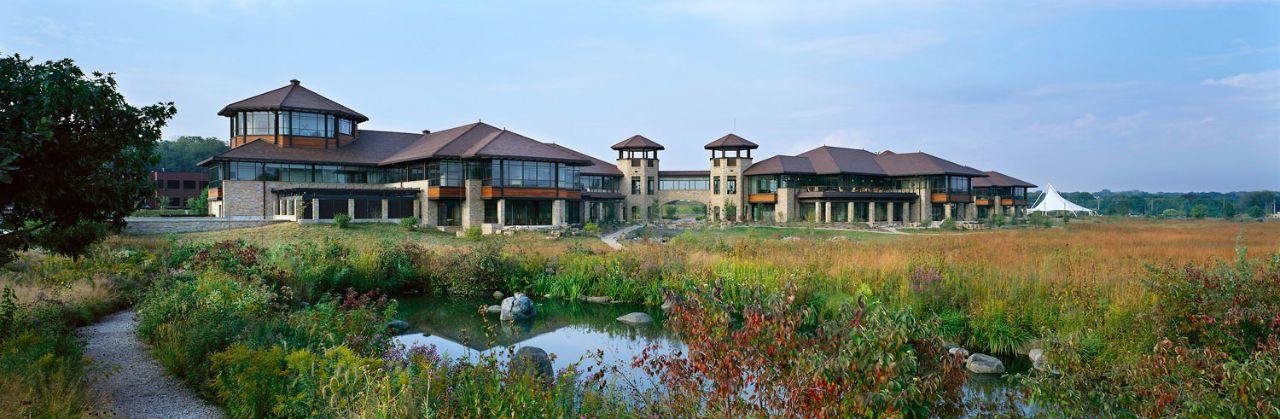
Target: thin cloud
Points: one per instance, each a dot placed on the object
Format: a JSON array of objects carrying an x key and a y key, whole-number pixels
[
  {"x": 1263, "y": 80},
  {"x": 866, "y": 46}
]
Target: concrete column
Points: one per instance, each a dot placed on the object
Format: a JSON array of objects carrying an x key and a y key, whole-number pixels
[
  {"x": 786, "y": 205},
  {"x": 502, "y": 212},
  {"x": 351, "y": 208},
  {"x": 315, "y": 209},
  {"x": 848, "y": 213},
  {"x": 946, "y": 210},
  {"x": 871, "y": 212},
  {"x": 999, "y": 209},
  {"x": 971, "y": 211},
  {"x": 429, "y": 213},
  {"x": 557, "y": 212},
  {"x": 826, "y": 212},
  {"x": 889, "y": 212},
  {"x": 473, "y": 204},
  {"x": 385, "y": 207}
]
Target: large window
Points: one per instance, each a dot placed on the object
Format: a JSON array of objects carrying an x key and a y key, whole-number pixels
[
  {"x": 715, "y": 185},
  {"x": 763, "y": 184},
  {"x": 525, "y": 174},
  {"x": 635, "y": 186},
  {"x": 694, "y": 183},
  {"x": 446, "y": 173},
  {"x": 649, "y": 184},
  {"x": 528, "y": 213},
  {"x": 731, "y": 185},
  {"x": 245, "y": 171},
  {"x": 305, "y": 124},
  {"x": 570, "y": 177},
  {"x": 600, "y": 183},
  {"x": 257, "y": 123},
  {"x": 958, "y": 184},
  {"x": 344, "y": 126}
]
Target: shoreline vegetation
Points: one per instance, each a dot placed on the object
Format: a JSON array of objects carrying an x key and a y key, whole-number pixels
[{"x": 1137, "y": 317}]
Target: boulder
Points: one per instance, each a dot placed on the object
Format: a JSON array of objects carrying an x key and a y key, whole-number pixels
[
  {"x": 962, "y": 352},
  {"x": 667, "y": 306},
  {"x": 984, "y": 364},
  {"x": 399, "y": 326},
  {"x": 493, "y": 309},
  {"x": 1038, "y": 359},
  {"x": 839, "y": 238},
  {"x": 497, "y": 295},
  {"x": 600, "y": 300},
  {"x": 534, "y": 360},
  {"x": 790, "y": 238},
  {"x": 518, "y": 307},
  {"x": 636, "y": 318}
]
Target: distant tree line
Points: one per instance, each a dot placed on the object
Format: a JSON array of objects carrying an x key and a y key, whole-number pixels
[
  {"x": 182, "y": 154},
  {"x": 1190, "y": 204}
]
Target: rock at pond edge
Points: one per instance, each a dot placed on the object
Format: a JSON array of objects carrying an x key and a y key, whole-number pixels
[{"x": 636, "y": 318}]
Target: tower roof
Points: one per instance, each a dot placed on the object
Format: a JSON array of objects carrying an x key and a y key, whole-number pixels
[
  {"x": 638, "y": 142},
  {"x": 731, "y": 142},
  {"x": 292, "y": 97}
]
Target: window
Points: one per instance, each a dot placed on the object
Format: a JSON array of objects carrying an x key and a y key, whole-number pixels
[
  {"x": 528, "y": 212},
  {"x": 490, "y": 211},
  {"x": 696, "y": 183},
  {"x": 172, "y": 184},
  {"x": 257, "y": 123},
  {"x": 368, "y": 209},
  {"x": 635, "y": 186},
  {"x": 763, "y": 184},
  {"x": 244, "y": 171},
  {"x": 715, "y": 185},
  {"x": 399, "y": 208},
  {"x": 649, "y": 184},
  {"x": 526, "y": 174},
  {"x": 344, "y": 126},
  {"x": 570, "y": 177},
  {"x": 330, "y": 207},
  {"x": 305, "y": 124},
  {"x": 188, "y": 184},
  {"x": 600, "y": 183},
  {"x": 731, "y": 187},
  {"x": 445, "y": 173},
  {"x": 958, "y": 184}
]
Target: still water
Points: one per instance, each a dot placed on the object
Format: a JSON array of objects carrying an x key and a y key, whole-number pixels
[{"x": 572, "y": 331}]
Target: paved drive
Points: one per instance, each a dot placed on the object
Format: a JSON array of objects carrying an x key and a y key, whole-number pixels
[
  {"x": 135, "y": 384},
  {"x": 611, "y": 239}
]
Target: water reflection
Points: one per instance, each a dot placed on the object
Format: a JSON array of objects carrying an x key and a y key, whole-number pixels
[{"x": 569, "y": 331}]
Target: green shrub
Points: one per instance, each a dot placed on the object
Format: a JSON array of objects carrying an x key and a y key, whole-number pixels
[
  {"x": 948, "y": 224},
  {"x": 1040, "y": 219},
  {"x": 341, "y": 220},
  {"x": 998, "y": 220},
  {"x": 409, "y": 223},
  {"x": 473, "y": 233},
  {"x": 591, "y": 228}
]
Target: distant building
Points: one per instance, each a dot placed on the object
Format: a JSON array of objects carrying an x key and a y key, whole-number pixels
[
  {"x": 299, "y": 156},
  {"x": 174, "y": 188}
]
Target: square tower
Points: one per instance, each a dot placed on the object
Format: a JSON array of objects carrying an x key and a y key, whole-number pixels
[
  {"x": 730, "y": 156},
  {"x": 638, "y": 161}
]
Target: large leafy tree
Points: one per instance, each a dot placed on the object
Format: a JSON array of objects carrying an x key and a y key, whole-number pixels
[
  {"x": 74, "y": 155},
  {"x": 182, "y": 154}
]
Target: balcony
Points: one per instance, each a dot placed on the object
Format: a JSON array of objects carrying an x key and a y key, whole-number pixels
[
  {"x": 215, "y": 194},
  {"x": 762, "y": 198}
]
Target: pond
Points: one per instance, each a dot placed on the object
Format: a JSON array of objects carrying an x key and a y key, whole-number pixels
[{"x": 572, "y": 331}]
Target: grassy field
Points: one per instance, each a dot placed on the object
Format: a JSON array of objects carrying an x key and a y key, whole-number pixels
[{"x": 1099, "y": 294}]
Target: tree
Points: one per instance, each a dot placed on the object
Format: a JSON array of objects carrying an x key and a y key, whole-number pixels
[
  {"x": 1228, "y": 210},
  {"x": 1199, "y": 211},
  {"x": 199, "y": 204},
  {"x": 79, "y": 155},
  {"x": 182, "y": 154},
  {"x": 1257, "y": 212}
]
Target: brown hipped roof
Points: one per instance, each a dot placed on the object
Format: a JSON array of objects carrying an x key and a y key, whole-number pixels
[
  {"x": 731, "y": 141},
  {"x": 638, "y": 142},
  {"x": 597, "y": 168},
  {"x": 292, "y": 97},
  {"x": 481, "y": 140},
  {"x": 828, "y": 160},
  {"x": 370, "y": 149},
  {"x": 1000, "y": 180}
]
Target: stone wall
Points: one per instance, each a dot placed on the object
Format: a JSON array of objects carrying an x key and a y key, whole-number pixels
[{"x": 164, "y": 225}]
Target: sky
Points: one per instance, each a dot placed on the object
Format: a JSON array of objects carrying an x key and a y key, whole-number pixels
[{"x": 1157, "y": 95}]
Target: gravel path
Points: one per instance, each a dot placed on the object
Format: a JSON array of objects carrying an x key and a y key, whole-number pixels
[
  {"x": 611, "y": 239},
  {"x": 134, "y": 383}
]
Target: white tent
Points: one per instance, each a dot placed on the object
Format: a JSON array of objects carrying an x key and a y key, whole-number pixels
[{"x": 1050, "y": 200}]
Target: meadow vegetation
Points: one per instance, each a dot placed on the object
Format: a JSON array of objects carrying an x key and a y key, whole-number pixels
[{"x": 1147, "y": 318}]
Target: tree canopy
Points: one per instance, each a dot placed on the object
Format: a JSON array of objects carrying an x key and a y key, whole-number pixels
[
  {"x": 74, "y": 154},
  {"x": 182, "y": 154}
]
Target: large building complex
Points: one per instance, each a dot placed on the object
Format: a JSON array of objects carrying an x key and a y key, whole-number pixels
[{"x": 299, "y": 156}]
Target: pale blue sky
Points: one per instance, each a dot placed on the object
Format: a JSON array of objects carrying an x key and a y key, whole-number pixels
[{"x": 1161, "y": 95}]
